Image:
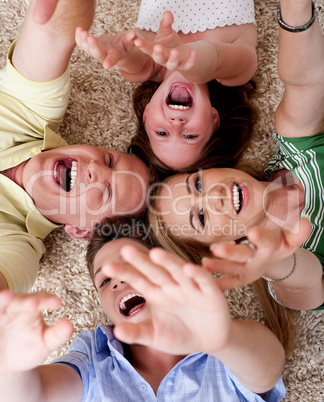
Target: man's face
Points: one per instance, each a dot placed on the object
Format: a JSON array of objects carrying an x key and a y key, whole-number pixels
[{"x": 81, "y": 184}]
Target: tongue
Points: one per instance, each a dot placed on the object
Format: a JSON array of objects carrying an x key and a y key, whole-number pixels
[
  {"x": 61, "y": 175},
  {"x": 135, "y": 308},
  {"x": 180, "y": 95}
]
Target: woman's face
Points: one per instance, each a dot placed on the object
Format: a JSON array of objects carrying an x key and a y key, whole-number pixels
[
  {"x": 211, "y": 205},
  {"x": 179, "y": 121}
]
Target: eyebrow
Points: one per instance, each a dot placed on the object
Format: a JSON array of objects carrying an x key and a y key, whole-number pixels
[
  {"x": 187, "y": 183},
  {"x": 97, "y": 272}
]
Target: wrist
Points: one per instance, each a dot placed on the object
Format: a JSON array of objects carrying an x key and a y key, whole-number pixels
[
  {"x": 296, "y": 16},
  {"x": 285, "y": 271}
]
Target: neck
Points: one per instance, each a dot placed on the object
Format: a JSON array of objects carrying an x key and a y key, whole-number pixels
[
  {"x": 152, "y": 364},
  {"x": 15, "y": 173}
]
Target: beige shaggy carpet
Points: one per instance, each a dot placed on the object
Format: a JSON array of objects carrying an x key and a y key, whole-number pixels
[{"x": 100, "y": 113}]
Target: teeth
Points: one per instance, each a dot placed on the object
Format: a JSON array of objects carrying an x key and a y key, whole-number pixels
[
  {"x": 179, "y": 107},
  {"x": 236, "y": 197},
  {"x": 74, "y": 169},
  {"x": 55, "y": 174},
  {"x": 124, "y": 300}
]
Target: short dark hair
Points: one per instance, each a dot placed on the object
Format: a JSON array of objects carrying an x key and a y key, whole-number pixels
[{"x": 109, "y": 229}]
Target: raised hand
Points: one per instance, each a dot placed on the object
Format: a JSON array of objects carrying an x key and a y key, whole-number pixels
[
  {"x": 189, "y": 312},
  {"x": 242, "y": 265},
  {"x": 167, "y": 49},
  {"x": 109, "y": 49},
  {"x": 25, "y": 340}
]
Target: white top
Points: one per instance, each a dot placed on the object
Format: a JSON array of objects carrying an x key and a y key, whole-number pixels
[{"x": 195, "y": 15}]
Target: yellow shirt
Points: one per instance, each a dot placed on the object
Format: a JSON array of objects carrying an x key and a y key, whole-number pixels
[{"x": 30, "y": 116}]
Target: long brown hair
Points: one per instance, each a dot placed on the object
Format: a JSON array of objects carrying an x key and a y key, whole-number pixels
[{"x": 238, "y": 115}]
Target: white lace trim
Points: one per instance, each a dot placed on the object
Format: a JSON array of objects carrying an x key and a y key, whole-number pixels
[{"x": 195, "y": 15}]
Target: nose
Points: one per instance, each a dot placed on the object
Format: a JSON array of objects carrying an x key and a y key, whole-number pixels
[
  {"x": 217, "y": 197},
  {"x": 98, "y": 172},
  {"x": 116, "y": 284},
  {"x": 177, "y": 121}
]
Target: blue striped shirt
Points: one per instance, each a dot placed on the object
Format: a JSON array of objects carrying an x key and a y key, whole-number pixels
[{"x": 108, "y": 376}]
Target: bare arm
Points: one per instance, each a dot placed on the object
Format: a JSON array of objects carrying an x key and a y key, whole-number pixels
[
  {"x": 119, "y": 50},
  {"x": 25, "y": 341},
  {"x": 300, "y": 65},
  {"x": 43, "y": 51},
  {"x": 273, "y": 257},
  {"x": 190, "y": 314},
  {"x": 231, "y": 63}
]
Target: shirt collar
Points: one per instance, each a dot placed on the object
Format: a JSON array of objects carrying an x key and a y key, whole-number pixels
[{"x": 104, "y": 336}]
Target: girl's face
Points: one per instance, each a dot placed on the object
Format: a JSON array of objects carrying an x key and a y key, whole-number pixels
[
  {"x": 212, "y": 205},
  {"x": 179, "y": 121},
  {"x": 117, "y": 298}
]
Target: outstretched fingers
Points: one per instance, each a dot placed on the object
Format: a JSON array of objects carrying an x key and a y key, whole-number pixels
[
  {"x": 202, "y": 278},
  {"x": 172, "y": 264},
  {"x": 56, "y": 335},
  {"x": 182, "y": 62},
  {"x": 12, "y": 303},
  {"x": 130, "y": 274},
  {"x": 144, "y": 45},
  {"x": 146, "y": 265},
  {"x": 232, "y": 252},
  {"x": 89, "y": 44}
]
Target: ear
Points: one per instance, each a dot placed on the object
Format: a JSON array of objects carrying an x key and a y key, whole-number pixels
[
  {"x": 145, "y": 112},
  {"x": 77, "y": 233},
  {"x": 215, "y": 117}
]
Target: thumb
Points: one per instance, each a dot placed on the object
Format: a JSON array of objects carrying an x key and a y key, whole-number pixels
[
  {"x": 134, "y": 333},
  {"x": 57, "y": 334},
  {"x": 166, "y": 24}
]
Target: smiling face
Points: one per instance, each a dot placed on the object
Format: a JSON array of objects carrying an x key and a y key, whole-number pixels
[
  {"x": 80, "y": 184},
  {"x": 179, "y": 121},
  {"x": 211, "y": 205},
  {"x": 118, "y": 299}
]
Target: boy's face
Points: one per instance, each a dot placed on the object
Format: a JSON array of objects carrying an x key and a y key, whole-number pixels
[
  {"x": 81, "y": 184},
  {"x": 117, "y": 298}
]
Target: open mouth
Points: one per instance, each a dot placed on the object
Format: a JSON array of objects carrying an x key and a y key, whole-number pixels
[
  {"x": 179, "y": 98},
  {"x": 238, "y": 197},
  {"x": 131, "y": 304},
  {"x": 65, "y": 173}
]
